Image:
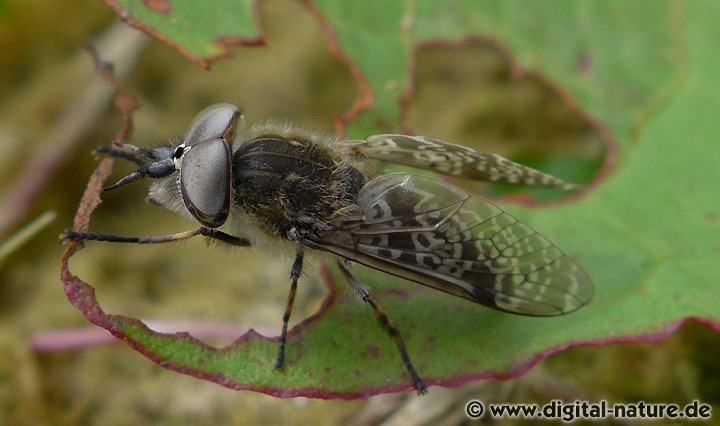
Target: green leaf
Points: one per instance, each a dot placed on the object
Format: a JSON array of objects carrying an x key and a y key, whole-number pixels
[
  {"x": 197, "y": 31},
  {"x": 647, "y": 231}
]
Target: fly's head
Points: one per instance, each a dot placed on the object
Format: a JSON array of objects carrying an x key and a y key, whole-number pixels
[{"x": 194, "y": 177}]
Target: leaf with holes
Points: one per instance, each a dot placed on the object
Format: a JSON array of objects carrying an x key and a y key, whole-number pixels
[{"x": 646, "y": 230}]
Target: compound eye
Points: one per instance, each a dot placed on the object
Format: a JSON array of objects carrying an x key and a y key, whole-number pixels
[
  {"x": 214, "y": 122},
  {"x": 205, "y": 181}
]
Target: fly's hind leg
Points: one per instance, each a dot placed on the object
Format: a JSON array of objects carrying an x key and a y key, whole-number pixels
[
  {"x": 294, "y": 276},
  {"x": 387, "y": 325}
]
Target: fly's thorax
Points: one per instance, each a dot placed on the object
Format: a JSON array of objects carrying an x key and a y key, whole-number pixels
[{"x": 292, "y": 179}]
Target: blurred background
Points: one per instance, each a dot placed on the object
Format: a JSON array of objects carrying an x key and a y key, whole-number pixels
[{"x": 55, "y": 112}]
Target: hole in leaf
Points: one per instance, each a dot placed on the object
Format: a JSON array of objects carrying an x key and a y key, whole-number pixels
[{"x": 472, "y": 93}]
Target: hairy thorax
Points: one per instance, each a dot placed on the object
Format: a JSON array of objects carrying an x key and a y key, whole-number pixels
[{"x": 293, "y": 182}]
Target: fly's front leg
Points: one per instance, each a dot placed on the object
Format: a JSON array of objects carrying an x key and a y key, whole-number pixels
[
  {"x": 294, "y": 276},
  {"x": 109, "y": 238},
  {"x": 224, "y": 237},
  {"x": 387, "y": 325},
  {"x": 156, "y": 239}
]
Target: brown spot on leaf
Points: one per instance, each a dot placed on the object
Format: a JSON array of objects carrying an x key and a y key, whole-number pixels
[
  {"x": 159, "y": 6},
  {"x": 585, "y": 63},
  {"x": 370, "y": 351}
]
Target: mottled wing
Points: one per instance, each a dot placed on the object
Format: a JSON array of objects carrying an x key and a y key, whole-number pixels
[
  {"x": 450, "y": 159},
  {"x": 436, "y": 234}
]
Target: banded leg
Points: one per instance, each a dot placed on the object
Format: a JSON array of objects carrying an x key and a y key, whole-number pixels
[
  {"x": 294, "y": 276},
  {"x": 156, "y": 239},
  {"x": 387, "y": 325}
]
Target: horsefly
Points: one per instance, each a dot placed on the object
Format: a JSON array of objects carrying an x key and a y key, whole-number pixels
[{"x": 283, "y": 185}]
